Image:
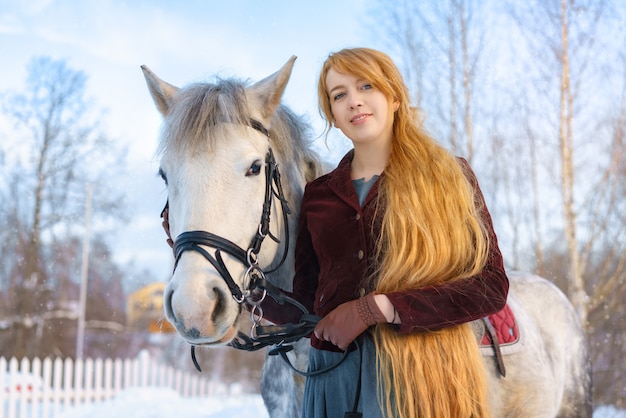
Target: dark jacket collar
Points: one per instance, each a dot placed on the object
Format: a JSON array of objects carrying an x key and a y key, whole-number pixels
[{"x": 340, "y": 182}]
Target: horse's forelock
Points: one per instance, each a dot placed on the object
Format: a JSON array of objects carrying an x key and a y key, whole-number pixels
[{"x": 198, "y": 110}]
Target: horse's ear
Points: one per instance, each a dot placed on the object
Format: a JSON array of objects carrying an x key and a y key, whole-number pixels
[
  {"x": 160, "y": 91},
  {"x": 269, "y": 91}
]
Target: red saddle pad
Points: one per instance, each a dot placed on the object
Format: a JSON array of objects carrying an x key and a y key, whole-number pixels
[{"x": 505, "y": 326}]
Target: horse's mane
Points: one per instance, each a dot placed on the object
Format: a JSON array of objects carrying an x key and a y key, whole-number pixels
[{"x": 201, "y": 110}]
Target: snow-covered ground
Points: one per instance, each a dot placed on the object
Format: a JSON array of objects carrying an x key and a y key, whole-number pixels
[
  {"x": 166, "y": 403},
  {"x": 608, "y": 412}
]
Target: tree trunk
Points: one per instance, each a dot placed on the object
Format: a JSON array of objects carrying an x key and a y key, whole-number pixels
[
  {"x": 452, "y": 81},
  {"x": 576, "y": 288},
  {"x": 467, "y": 83}
]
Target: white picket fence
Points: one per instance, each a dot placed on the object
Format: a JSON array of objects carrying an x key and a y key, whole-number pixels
[{"x": 42, "y": 389}]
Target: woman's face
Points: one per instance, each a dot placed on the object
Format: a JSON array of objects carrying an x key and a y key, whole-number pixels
[{"x": 363, "y": 113}]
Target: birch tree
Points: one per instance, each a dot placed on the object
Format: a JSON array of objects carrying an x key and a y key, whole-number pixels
[
  {"x": 439, "y": 46},
  {"x": 562, "y": 37},
  {"x": 573, "y": 76},
  {"x": 56, "y": 148}
]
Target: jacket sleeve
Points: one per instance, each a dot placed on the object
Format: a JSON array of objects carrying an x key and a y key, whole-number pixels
[
  {"x": 304, "y": 282},
  {"x": 435, "y": 307}
]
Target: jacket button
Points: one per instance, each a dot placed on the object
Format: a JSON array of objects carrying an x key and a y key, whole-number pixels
[
  {"x": 360, "y": 254},
  {"x": 358, "y": 216}
]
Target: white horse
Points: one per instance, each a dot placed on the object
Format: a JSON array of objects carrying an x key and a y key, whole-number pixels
[{"x": 217, "y": 147}]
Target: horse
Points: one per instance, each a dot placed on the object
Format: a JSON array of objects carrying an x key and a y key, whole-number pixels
[{"x": 216, "y": 142}]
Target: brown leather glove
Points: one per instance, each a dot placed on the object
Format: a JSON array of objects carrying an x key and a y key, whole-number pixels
[
  {"x": 166, "y": 226},
  {"x": 349, "y": 320}
]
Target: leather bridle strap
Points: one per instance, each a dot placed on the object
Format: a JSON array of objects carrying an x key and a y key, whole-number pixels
[
  {"x": 272, "y": 178},
  {"x": 193, "y": 240}
]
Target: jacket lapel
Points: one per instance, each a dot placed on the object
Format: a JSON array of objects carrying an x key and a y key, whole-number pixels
[{"x": 340, "y": 182}]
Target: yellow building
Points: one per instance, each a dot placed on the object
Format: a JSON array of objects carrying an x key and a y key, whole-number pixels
[{"x": 144, "y": 309}]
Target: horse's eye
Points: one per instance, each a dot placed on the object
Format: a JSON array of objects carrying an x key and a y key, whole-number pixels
[
  {"x": 255, "y": 169},
  {"x": 162, "y": 175}
]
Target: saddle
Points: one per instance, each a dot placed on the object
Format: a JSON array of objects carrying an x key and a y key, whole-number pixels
[{"x": 500, "y": 329}]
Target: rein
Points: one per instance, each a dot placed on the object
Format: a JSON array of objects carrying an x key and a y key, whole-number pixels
[{"x": 260, "y": 335}]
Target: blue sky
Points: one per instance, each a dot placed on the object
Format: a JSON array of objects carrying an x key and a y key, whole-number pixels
[{"x": 182, "y": 42}]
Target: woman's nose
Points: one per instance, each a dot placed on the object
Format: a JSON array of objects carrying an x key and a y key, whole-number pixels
[{"x": 355, "y": 101}]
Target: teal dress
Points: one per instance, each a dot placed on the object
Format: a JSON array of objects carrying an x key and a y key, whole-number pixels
[{"x": 332, "y": 394}]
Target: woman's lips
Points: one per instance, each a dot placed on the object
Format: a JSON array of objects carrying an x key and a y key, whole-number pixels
[{"x": 360, "y": 118}]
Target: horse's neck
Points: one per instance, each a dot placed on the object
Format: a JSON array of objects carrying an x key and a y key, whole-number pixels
[
  {"x": 295, "y": 176},
  {"x": 293, "y": 185},
  {"x": 283, "y": 277}
]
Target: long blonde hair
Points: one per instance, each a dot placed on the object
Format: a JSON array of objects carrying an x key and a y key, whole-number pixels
[{"x": 431, "y": 234}]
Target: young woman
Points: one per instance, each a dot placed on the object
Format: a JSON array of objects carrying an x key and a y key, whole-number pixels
[{"x": 396, "y": 253}]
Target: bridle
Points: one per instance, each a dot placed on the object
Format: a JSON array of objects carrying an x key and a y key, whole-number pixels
[
  {"x": 195, "y": 240},
  {"x": 260, "y": 335}
]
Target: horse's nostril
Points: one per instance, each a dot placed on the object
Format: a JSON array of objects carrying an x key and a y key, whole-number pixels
[
  {"x": 220, "y": 304},
  {"x": 167, "y": 304},
  {"x": 193, "y": 333}
]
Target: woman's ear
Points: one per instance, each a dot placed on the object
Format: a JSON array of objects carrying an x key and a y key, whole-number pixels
[{"x": 396, "y": 105}]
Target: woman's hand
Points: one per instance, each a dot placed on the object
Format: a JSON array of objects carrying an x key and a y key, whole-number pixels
[{"x": 349, "y": 320}]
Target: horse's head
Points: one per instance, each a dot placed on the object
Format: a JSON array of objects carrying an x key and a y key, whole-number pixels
[{"x": 217, "y": 147}]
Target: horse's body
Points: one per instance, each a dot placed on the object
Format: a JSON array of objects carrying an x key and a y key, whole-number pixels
[
  {"x": 548, "y": 373},
  {"x": 214, "y": 147}
]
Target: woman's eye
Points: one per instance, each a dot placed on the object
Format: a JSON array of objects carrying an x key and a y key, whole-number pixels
[
  {"x": 338, "y": 96},
  {"x": 255, "y": 169},
  {"x": 366, "y": 86}
]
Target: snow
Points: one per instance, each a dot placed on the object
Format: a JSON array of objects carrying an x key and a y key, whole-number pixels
[
  {"x": 609, "y": 412},
  {"x": 150, "y": 402}
]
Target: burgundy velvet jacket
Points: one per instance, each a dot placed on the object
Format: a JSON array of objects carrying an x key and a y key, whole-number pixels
[{"x": 334, "y": 251}]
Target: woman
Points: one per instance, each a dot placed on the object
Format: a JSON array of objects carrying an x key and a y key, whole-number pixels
[{"x": 396, "y": 252}]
